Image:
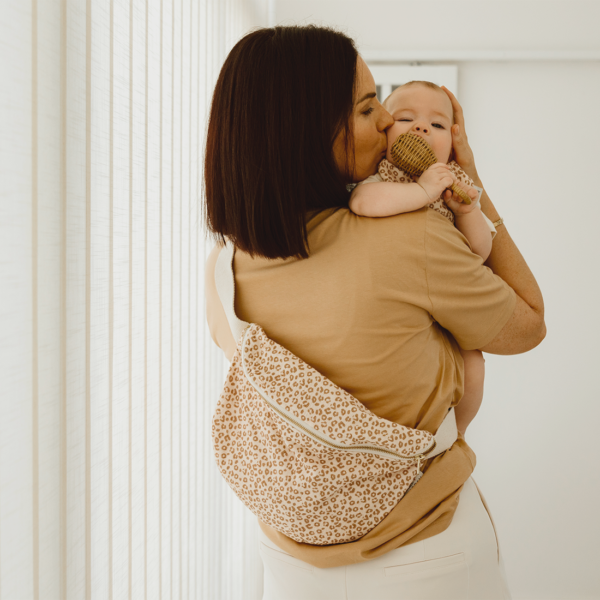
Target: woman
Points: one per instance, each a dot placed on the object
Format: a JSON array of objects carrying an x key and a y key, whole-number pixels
[{"x": 376, "y": 305}]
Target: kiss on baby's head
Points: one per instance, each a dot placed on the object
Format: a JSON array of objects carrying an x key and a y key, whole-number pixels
[{"x": 422, "y": 108}]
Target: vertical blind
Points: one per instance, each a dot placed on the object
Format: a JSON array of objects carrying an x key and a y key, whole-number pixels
[{"x": 108, "y": 376}]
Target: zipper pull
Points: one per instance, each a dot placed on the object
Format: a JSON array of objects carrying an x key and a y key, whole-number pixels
[{"x": 419, "y": 459}]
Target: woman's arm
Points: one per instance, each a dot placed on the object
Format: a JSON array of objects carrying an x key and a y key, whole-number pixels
[
  {"x": 386, "y": 198},
  {"x": 526, "y": 327}
]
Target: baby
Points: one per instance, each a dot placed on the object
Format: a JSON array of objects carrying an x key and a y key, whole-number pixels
[{"x": 424, "y": 109}]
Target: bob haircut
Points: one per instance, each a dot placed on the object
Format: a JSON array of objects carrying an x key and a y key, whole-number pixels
[{"x": 281, "y": 99}]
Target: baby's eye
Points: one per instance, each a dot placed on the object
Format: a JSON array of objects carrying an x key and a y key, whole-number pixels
[
  {"x": 404, "y": 119},
  {"x": 439, "y": 125}
]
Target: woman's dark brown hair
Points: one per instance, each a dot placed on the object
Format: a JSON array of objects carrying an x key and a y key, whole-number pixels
[{"x": 282, "y": 97}]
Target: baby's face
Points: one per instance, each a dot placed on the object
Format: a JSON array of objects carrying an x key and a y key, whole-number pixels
[{"x": 425, "y": 112}]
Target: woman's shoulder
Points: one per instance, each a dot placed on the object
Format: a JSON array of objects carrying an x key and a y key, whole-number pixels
[
  {"x": 422, "y": 217},
  {"x": 407, "y": 230},
  {"x": 343, "y": 222}
]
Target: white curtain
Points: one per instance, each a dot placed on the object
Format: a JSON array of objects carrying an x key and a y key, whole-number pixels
[{"x": 108, "y": 377}]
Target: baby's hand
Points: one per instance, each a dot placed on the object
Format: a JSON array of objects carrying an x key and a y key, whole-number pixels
[
  {"x": 455, "y": 202},
  {"x": 436, "y": 179}
]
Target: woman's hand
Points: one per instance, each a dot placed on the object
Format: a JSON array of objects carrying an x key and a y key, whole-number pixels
[{"x": 462, "y": 151}]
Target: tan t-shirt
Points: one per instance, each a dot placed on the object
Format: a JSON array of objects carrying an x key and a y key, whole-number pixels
[{"x": 378, "y": 308}]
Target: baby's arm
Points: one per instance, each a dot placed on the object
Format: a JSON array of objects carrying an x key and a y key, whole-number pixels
[
  {"x": 474, "y": 375},
  {"x": 471, "y": 223},
  {"x": 386, "y": 198}
]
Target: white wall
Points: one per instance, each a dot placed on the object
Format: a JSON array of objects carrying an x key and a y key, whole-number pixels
[
  {"x": 456, "y": 24},
  {"x": 535, "y": 130}
]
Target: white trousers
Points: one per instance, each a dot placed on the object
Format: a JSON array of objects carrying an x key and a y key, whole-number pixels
[{"x": 461, "y": 563}]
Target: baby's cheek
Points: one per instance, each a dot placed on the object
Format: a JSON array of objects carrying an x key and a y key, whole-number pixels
[
  {"x": 390, "y": 141},
  {"x": 393, "y": 132},
  {"x": 392, "y": 136}
]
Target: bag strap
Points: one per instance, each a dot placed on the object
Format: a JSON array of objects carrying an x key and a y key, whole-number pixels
[
  {"x": 225, "y": 283},
  {"x": 224, "y": 279},
  {"x": 445, "y": 436}
]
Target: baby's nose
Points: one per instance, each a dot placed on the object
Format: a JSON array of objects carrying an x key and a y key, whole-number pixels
[{"x": 421, "y": 128}]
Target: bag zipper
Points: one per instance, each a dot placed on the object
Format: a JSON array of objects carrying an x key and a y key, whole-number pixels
[{"x": 319, "y": 437}]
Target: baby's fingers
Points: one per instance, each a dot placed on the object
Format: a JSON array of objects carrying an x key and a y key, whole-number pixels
[
  {"x": 447, "y": 181},
  {"x": 470, "y": 191},
  {"x": 439, "y": 167}
]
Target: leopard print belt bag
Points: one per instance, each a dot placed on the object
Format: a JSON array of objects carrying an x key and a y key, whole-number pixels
[{"x": 301, "y": 453}]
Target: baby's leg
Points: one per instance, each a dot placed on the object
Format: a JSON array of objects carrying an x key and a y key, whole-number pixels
[{"x": 473, "y": 395}]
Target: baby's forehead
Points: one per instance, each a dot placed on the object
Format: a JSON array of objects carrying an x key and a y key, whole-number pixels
[{"x": 401, "y": 98}]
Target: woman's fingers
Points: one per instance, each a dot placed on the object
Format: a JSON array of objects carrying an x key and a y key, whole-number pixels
[
  {"x": 458, "y": 111},
  {"x": 458, "y": 129},
  {"x": 460, "y": 144}
]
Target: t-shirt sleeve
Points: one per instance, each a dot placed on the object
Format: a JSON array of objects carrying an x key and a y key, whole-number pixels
[{"x": 466, "y": 297}]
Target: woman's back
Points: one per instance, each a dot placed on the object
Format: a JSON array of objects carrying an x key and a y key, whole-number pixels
[{"x": 360, "y": 308}]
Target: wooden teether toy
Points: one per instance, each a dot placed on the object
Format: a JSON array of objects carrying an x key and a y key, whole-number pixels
[{"x": 414, "y": 156}]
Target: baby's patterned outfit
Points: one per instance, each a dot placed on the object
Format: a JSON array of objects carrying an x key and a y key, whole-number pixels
[{"x": 386, "y": 171}]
